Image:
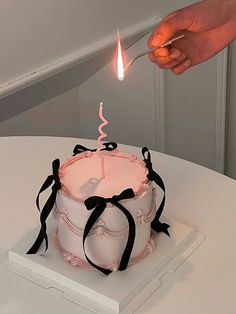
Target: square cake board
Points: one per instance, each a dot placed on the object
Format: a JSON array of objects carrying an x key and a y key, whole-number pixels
[{"x": 120, "y": 292}]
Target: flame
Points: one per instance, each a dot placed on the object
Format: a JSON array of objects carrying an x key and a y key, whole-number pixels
[{"x": 120, "y": 60}]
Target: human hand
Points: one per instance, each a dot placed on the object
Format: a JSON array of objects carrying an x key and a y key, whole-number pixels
[{"x": 209, "y": 26}]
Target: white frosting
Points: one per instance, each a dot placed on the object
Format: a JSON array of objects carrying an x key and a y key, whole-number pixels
[{"x": 102, "y": 249}]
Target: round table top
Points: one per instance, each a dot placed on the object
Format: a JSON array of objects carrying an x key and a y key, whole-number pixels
[{"x": 205, "y": 283}]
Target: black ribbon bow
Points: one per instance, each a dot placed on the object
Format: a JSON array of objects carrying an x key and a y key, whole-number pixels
[
  {"x": 47, "y": 207},
  {"x": 98, "y": 204},
  {"x": 153, "y": 176},
  {"x": 109, "y": 146}
]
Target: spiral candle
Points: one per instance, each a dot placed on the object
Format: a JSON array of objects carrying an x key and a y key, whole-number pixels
[
  {"x": 101, "y": 126},
  {"x": 101, "y": 137}
]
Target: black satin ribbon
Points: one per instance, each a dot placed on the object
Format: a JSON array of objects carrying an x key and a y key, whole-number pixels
[
  {"x": 48, "y": 206},
  {"x": 153, "y": 176},
  {"x": 98, "y": 204},
  {"x": 109, "y": 146}
]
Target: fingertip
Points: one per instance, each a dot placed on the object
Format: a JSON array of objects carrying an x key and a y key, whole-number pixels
[
  {"x": 177, "y": 71},
  {"x": 149, "y": 42},
  {"x": 162, "y": 52},
  {"x": 163, "y": 33},
  {"x": 157, "y": 40}
]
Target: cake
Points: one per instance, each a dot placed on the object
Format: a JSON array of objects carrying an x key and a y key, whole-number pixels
[{"x": 104, "y": 203}]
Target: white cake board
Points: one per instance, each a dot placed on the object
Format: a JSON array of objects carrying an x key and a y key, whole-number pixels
[{"x": 120, "y": 292}]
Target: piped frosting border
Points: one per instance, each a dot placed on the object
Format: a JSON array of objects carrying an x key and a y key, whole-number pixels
[
  {"x": 113, "y": 266},
  {"x": 143, "y": 187},
  {"x": 100, "y": 228}
]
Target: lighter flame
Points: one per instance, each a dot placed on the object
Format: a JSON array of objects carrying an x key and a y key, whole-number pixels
[{"x": 120, "y": 61}]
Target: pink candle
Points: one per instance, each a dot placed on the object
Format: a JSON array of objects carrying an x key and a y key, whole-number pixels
[{"x": 100, "y": 138}]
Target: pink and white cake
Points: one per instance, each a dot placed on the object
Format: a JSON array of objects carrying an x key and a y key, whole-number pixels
[
  {"x": 105, "y": 207},
  {"x": 80, "y": 178}
]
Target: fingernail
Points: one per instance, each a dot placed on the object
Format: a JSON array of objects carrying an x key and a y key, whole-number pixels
[
  {"x": 162, "y": 52},
  {"x": 157, "y": 40},
  {"x": 176, "y": 54},
  {"x": 187, "y": 63}
]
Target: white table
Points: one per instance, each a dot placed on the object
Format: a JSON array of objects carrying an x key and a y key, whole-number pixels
[{"x": 204, "y": 284}]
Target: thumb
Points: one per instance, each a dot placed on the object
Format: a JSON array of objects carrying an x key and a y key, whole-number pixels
[{"x": 169, "y": 26}]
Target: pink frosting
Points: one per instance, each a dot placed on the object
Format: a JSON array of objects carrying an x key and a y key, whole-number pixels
[
  {"x": 78, "y": 261},
  {"x": 80, "y": 175}
]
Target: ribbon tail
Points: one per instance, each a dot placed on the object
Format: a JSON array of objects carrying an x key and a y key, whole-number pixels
[
  {"x": 160, "y": 227},
  {"x": 153, "y": 176},
  {"x": 43, "y": 230},
  {"x": 90, "y": 223},
  {"x": 160, "y": 209},
  {"x": 44, "y": 187},
  {"x": 131, "y": 237},
  {"x": 157, "y": 179},
  {"x": 48, "y": 206},
  {"x": 156, "y": 224}
]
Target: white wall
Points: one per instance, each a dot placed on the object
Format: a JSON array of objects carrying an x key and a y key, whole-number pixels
[
  {"x": 40, "y": 34},
  {"x": 167, "y": 113},
  {"x": 191, "y": 114},
  {"x": 231, "y": 125}
]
